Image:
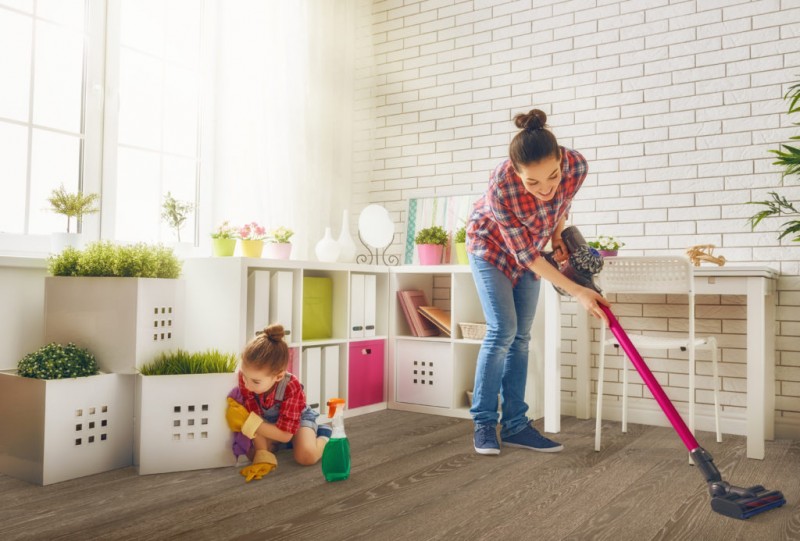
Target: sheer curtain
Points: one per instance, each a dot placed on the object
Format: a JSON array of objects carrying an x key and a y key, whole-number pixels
[{"x": 284, "y": 115}]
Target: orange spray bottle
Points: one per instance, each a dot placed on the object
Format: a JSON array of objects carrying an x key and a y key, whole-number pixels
[{"x": 336, "y": 455}]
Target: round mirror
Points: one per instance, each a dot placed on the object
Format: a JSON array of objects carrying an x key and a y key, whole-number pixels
[{"x": 375, "y": 226}]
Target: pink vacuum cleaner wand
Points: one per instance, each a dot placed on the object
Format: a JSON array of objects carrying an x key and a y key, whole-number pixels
[{"x": 726, "y": 499}]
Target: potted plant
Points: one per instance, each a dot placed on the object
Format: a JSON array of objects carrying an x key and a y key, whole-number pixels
[
  {"x": 606, "y": 245},
  {"x": 125, "y": 303},
  {"x": 60, "y": 419},
  {"x": 279, "y": 244},
  {"x": 460, "y": 240},
  {"x": 180, "y": 403},
  {"x": 223, "y": 240},
  {"x": 789, "y": 160},
  {"x": 430, "y": 244},
  {"x": 252, "y": 236},
  {"x": 175, "y": 213},
  {"x": 71, "y": 205}
]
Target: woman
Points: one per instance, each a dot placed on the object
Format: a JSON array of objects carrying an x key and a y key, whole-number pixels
[{"x": 524, "y": 208}]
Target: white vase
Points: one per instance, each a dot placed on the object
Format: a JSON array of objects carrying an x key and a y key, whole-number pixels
[
  {"x": 347, "y": 247},
  {"x": 327, "y": 249},
  {"x": 60, "y": 241}
]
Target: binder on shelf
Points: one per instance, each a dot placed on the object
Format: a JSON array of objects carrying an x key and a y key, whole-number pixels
[
  {"x": 370, "y": 304},
  {"x": 258, "y": 284},
  {"x": 330, "y": 376},
  {"x": 280, "y": 301},
  {"x": 410, "y": 300},
  {"x": 317, "y": 308},
  {"x": 357, "y": 305},
  {"x": 312, "y": 377},
  {"x": 437, "y": 316}
]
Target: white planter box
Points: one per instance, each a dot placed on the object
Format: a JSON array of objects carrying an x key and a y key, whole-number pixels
[
  {"x": 54, "y": 430},
  {"x": 123, "y": 322},
  {"x": 180, "y": 422}
]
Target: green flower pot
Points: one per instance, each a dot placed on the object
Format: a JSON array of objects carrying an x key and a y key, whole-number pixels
[{"x": 223, "y": 247}]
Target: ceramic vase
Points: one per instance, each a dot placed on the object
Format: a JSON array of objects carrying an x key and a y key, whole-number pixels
[
  {"x": 60, "y": 241},
  {"x": 608, "y": 253},
  {"x": 347, "y": 247},
  {"x": 430, "y": 254},
  {"x": 461, "y": 253},
  {"x": 327, "y": 249},
  {"x": 252, "y": 248},
  {"x": 278, "y": 250},
  {"x": 223, "y": 247}
]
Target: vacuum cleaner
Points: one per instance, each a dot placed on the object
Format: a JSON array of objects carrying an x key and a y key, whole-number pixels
[{"x": 729, "y": 500}]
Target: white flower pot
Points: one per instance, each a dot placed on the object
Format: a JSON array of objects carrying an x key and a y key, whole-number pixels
[
  {"x": 55, "y": 430},
  {"x": 180, "y": 422},
  {"x": 123, "y": 322}
]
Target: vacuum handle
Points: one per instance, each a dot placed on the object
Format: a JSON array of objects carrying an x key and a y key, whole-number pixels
[{"x": 650, "y": 380}]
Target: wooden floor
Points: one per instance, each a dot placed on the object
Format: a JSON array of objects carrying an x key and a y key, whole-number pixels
[{"x": 417, "y": 477}]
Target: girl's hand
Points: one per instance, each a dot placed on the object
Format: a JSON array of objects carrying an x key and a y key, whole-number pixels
[{"x": 590, "y": 300}]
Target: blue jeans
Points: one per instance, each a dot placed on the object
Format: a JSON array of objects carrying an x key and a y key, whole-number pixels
[{"x": 503, "y": 358}]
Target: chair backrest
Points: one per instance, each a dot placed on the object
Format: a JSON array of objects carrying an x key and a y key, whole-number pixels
[{"x": 647, "y": 274}]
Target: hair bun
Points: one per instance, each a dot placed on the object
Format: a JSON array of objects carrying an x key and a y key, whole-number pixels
[
  {"x": 535, "y": 119},
  {"x": 274, "y": 332}
]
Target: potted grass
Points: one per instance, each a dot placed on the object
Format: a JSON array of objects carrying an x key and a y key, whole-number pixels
[
  {"x": 124, "y": 303},
  {"x": 180, "y": 412},
  {"x": 223, "y": 240},
  {"x": 460, "y": 240},
  {"x": 71, "y": 205},
  {"x": 279, "y": 244},
  {"x": 61, "y": 419},
  {"x": 607, "y": 246},
  {"x": 430, "y": 244}
]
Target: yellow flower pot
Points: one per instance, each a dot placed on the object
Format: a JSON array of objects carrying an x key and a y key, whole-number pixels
[{"x": 252, "y": 248}]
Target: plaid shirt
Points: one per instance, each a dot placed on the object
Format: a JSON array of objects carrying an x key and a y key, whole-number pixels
[
  {"x": 294, "y": 402},
  {"x": 509, "y": 227}
]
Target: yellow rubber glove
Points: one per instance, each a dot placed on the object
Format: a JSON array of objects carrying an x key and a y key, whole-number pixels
[
  {"x": 241, "y": 420},
  {"x": 263, "y": 463}
]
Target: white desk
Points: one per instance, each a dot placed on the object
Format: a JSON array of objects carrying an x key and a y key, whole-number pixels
[{"x": 757, "y": 283}]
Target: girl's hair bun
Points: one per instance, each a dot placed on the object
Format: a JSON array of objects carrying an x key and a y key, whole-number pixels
[
  {"x": 535, "y": 119},
  {"x": 274, "y": 332}
]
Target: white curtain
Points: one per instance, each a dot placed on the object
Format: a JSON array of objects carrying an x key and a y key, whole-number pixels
[{"x": 284, "y": 115}]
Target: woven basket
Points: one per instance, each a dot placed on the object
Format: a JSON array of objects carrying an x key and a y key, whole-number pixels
[{"x": 473, "y": 331}]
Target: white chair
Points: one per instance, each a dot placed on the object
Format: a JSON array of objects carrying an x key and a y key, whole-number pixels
[{"x": 667, "y": 275}]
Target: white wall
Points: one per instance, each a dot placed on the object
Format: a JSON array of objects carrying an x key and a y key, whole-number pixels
[
  {"x": 675, "y": 104},
  {"x": 22, "y": 308}
]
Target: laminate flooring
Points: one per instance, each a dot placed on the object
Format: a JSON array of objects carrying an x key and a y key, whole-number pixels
[{"x": 415, "y": 477}]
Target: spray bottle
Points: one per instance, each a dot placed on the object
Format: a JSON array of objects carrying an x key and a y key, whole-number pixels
[{"x": 336, "y": 455}]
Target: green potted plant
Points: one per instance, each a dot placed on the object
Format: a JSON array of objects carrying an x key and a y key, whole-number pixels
[
  {"x": 279, "y": 244},
  {"x": 607, "y": 246},
  {"x": 252, "y": 236},
  {"x": 71, "y": 205},
  {"x": 223, "y": 240},
  {"x": 460, "y": 240},
  {"x": 180, "y": 401},
  {"x": 123, "y": 301},
  {"x": 430, "y": 244},
  {"x": 60, "y": 419},
  {"x": 175, "y": 213},
  {"x": 789, "y": 160}
]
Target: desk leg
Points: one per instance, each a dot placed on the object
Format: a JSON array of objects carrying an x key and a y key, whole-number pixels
[
  {"x": 552, "y": 359},
  {"x": 760, "y": 366},
  {"x": 583, "y": 369}
]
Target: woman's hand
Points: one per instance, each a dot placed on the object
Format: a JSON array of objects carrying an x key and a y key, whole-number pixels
[
  {"x": 560, "y": 253},
  {"x": 590, "y": 300}
]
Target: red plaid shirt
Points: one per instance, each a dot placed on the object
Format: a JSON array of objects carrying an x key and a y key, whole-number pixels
[
  {"x": 294, "y": 402},
  {"x": 509, "y": 227}
]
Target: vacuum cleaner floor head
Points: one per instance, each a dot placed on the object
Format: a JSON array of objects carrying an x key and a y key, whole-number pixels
[{"x": 743, "y": 503}]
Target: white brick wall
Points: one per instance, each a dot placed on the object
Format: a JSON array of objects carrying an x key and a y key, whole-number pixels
[{"x": 675, "y": 104}]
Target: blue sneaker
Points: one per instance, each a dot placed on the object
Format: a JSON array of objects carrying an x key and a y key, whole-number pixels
[
  {"x": 324, "y": 431},
  {"x": 530, "y": 438},
  {"x": 485, "y": 439}
]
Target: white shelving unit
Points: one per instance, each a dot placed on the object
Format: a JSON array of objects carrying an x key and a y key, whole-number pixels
[
  {"x": 220, "y": 309},
  {"x": 433, "y": 374}
]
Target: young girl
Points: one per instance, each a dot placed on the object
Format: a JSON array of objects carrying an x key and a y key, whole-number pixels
[
  {"x": 269, "y": 407},
  {"x": 524, "y": 207}
]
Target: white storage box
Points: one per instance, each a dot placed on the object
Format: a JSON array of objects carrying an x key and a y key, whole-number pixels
[
  {"x": 424, "y": 373},
  {"x": 180, "y": 422},
  {"x": 60, "y": 429},
  {"x": 123, "y": 322}
]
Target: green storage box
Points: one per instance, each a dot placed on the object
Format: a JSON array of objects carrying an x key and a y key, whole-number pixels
[{"x": 317, "y": 308}]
